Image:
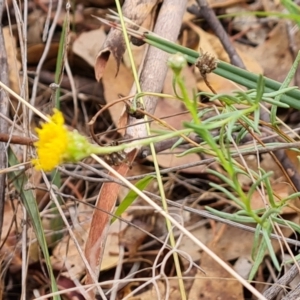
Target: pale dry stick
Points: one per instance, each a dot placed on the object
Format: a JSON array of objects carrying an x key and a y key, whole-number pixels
[
  {"x": 73, "y": 237},
  {"x": 24, "y": 87},
  {"x": 155, "y": 65},
  {"x": 105, "y": 283},
  {"x": 25, "y": 254},
  {"x": 180, "y": 227},
  {"x": 43, "y": 58},
  {"x": 73, "y": 89},
  {"x": 118, "y": 272},
  {"x": 47, "y": 22},
  {"x": 154, "y": 277},
  {"x": 152, "y": 78},
  {"x": 4, "y": 109},
  {"x": 276, "y": 288},
  {"x": 293, "y": 295},
  {"x": 22, "y": 30},
  {"x": 19, "y": 98},
  {"x": 156, "y": 264},
  {"x": 18, "y": 167},
  {"x": 244, "y": 163},
  {"x": 279, "y": 233}
]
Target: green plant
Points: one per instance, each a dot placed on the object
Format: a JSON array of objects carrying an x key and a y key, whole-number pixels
[{"x": 228, "y": 121}]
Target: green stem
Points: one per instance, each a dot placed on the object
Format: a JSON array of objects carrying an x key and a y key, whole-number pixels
[
  {"x": 145, "y": 142},
  {"x": 226, "y": 70}
]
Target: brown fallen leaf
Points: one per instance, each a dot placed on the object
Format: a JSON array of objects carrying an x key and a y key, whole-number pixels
[
  {"x": 109, "y": 191},
  {"x": 280, "y": 190},
  {"x": 274, "y": 55},
  {"x": 116, "y": 86},
  {"x": 88, "y": 44},
  {"x": 95, "y": 243},
  {"x": 176, "y": 112},
  {"x": 132, "y": 237},
  {"x": 136, "y": 11},
  {"x": 10, "y": 252},
  {"x": 217, "y": 283}
]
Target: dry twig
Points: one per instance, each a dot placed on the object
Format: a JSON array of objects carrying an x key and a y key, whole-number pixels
[
  {"x": 208, "y": 14},
  {"x": 4, "y": 109},
  {"x": 281, "y": 283},
  {"x": 151, "y": 79}
]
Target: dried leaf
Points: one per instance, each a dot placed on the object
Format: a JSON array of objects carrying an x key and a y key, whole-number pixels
[
  {"x": 135, "y": 10},
  {"x": 132, "y": 237},
  {"x": 217, "y": 284},
  {"x": 100, "y": 221},
  {"x": 87, "y": 45},
  {"x": 274, "y": 54},
  {"x": 174, "y": 110},
  {"x": 114, "y": 87}
]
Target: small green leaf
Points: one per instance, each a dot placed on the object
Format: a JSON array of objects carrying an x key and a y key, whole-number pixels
[{"x": 131, "y": 196}]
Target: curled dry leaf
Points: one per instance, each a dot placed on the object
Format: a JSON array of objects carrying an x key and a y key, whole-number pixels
[
  {"x": 88, "y": 44},
  {"x": 136, "y": 11}
]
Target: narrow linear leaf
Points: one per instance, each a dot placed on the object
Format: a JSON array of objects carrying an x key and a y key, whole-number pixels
[
  {"x": 131, "y": 196},
  {"x": 20, "y": 179}
]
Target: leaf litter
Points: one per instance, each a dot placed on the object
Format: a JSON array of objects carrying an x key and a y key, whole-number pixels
[{"x": 263, "y": 46}]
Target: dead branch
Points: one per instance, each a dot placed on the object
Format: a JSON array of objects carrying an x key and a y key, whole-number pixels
[
  {"x": 155, "y": 64},
  {"x": 278, "y": 286},
  {"x": 293, "y": 294},
  {"x": 4, "y": 109},
  {"x": 152, "y": 77},
  {"x": 208, "y": 14}
]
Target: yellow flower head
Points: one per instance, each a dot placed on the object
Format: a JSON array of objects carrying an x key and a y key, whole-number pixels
[
  {"x": 56, "y": 144},
  {"x": 52, "y": 143}
]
